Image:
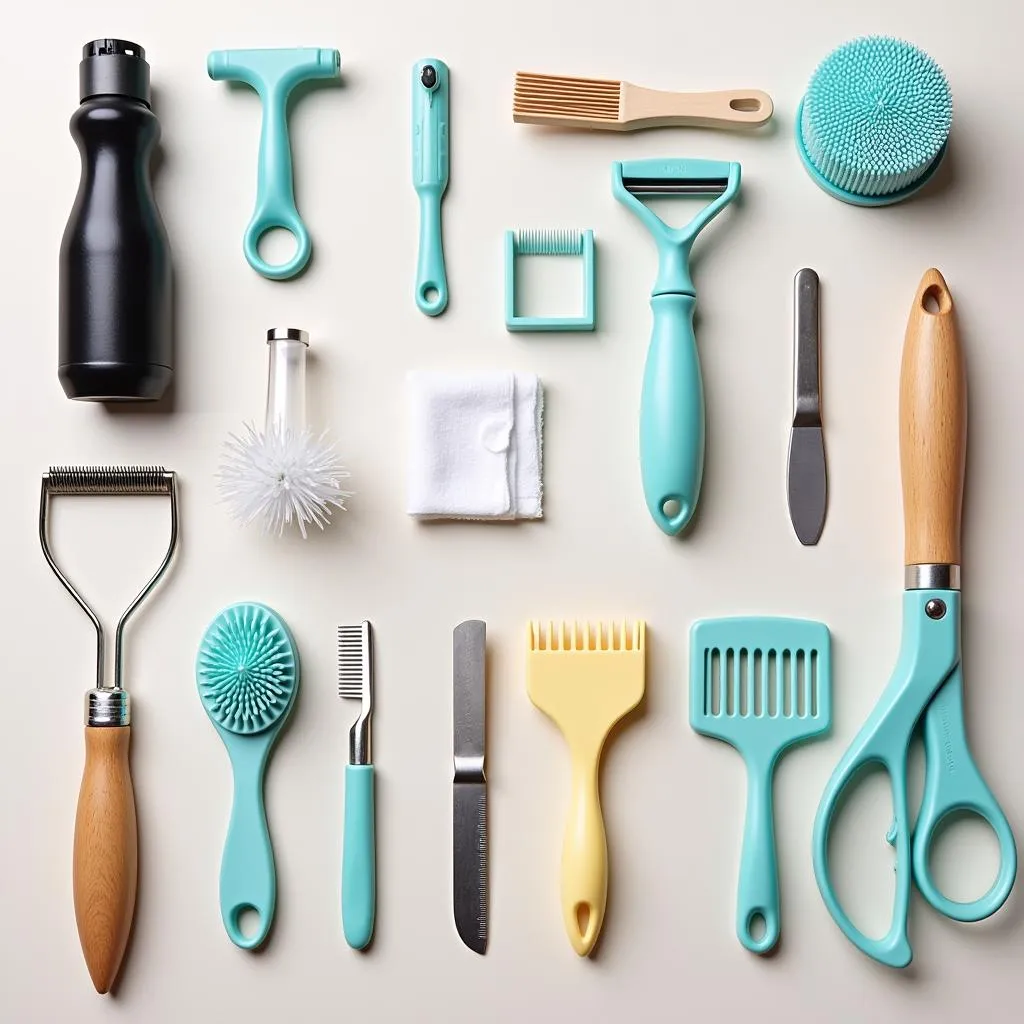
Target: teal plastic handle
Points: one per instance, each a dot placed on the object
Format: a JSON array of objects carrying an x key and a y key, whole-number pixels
[
  {"x": 430, "y": 163},
  {"x": 672, "y": 403},
  {"x": 672, "y": 415},
  {"x": 758, "y": 896},
  {"x": 359, "y": 860},
  {"x": 927, "y": 684},
  {"x": 953, "y": 786},
  {"x": 248, "y": 878},
  {"x": 275, "y": 194},
  {"x": 273, "y": 74},
  {"x": 431, "y": 280}
]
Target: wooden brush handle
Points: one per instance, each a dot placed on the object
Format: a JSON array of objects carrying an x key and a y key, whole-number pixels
[
  {"x": 933, "y": 427},
  {"x": 106, "y": 853},
  {"x": 732, "y": 108}
]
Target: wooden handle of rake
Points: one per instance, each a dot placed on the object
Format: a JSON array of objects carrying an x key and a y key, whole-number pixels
[
  {"x": 106, "y": 853},
  {"x": 933, "y": 427}
]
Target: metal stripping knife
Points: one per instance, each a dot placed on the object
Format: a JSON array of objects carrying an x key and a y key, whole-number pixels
[
  {"x": 807, "y": 479},
  {"x": 469, "y": 791}
]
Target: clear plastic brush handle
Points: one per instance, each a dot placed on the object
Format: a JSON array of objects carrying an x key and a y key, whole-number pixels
[{"x": 286, "y": 380}]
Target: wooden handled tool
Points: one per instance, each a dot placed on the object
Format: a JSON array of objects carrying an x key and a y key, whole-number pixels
[
  {"x": 106, "y": 853},
  {"x": 933, "y": 427},
  {"x": 562, "y": 101}
]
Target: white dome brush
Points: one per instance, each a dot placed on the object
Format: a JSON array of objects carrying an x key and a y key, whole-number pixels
[{"x": 284, "y": 474}]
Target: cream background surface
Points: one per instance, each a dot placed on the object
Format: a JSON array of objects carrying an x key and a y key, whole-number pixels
[{"x": 673, "y": 801}]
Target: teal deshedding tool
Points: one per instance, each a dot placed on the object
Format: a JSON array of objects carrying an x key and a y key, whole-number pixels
[
  {"x": 247, "y": 672},
  {"x": 430, "y": 149},
  {"x": 760, "y": 685},
  {"x": 274, "y": 74},
  {"x": 873, "y": 125},
  {"x": 549, "y": 243},
  {"x": 672, "y": 400}
]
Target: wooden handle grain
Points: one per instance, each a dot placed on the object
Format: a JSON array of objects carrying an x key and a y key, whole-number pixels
[
  {"x": 106, "y": 853},
  {"x": 732, "y": 108},
  {"x": 933, "y": 427}
]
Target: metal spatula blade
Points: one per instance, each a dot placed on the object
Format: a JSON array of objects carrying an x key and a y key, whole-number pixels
[{"x": 760, "y": 685}]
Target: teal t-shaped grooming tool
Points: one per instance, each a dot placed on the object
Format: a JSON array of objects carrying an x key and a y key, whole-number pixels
[
  {"x": 274, "y": 74},
  {"x": 672, "y": 401},
  {"x": 430, "y": 178}
]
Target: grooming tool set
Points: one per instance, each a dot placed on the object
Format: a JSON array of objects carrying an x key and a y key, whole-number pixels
[{"x": 871, "y": 130}]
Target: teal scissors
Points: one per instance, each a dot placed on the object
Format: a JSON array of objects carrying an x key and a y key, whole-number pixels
[{"x": 926, "y": 689}]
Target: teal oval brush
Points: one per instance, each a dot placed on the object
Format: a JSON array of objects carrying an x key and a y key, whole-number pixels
[
  {"x": 873, "y": 125},
  {"x": 247, "y": 672}
]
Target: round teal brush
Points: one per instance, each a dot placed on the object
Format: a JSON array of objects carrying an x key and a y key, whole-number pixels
[{"x": 874, "y": 123}]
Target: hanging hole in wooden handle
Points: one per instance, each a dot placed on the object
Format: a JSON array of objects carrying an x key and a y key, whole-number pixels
[
  {"x": 936, "y": 300},
  {"x": 745, "y": 104}
]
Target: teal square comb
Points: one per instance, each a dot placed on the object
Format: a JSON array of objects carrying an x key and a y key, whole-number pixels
[{"x": 549, "y": 243}]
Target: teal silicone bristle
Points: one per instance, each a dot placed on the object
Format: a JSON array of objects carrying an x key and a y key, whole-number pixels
[
  {"x": 549, "y": 242},
  {"x": 246, "y": 669},
  {"x": 875, "y": 120}
]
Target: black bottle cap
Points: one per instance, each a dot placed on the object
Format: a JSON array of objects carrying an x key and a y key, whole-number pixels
[{"x": 114, "y": 67}]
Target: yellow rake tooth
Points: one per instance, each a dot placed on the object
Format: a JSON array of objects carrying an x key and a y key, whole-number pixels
[
  {"x": 551, "y": 636},
  {"x": 565, "y": 637}
]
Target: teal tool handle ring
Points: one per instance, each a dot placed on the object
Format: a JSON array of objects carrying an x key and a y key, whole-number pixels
[
  {"x": 758, "y": 893},
  {"x": 358, "y": 864},
  {"x": 431, "y": 279},
  {"x": 277, "y": 219},
  {"x": 954, "y": 787},
  {"x": 892, "y": 949},
  {"x": 672, "y": 415},
  {"x": 248, "y": 877}
]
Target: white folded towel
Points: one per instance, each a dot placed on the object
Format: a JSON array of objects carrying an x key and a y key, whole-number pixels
[{"x": 475, "y": 445}]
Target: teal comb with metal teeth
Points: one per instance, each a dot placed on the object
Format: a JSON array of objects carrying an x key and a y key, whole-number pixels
[{"x": 874, "y": 123}]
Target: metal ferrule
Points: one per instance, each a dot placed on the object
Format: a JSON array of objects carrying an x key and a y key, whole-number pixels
[
  {"x": 107, "y": 707},
  {"x": 931, "y": 576},
  {"x": 359, "y": 737}
]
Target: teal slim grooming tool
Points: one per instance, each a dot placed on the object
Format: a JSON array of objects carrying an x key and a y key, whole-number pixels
[
  {"x": 672, "y": 401},
  {"x": 926, "y": 690},
  {"x": 430, "y": 150},
  {"x": 359, "y": 858},
  {"x": 873, "y": 125},
  {"x": 247, "y": 671},
  {"x": 549, "y": 243},
  {"x": 761, "y": 685},
  {"x": 274, "y": 74}
]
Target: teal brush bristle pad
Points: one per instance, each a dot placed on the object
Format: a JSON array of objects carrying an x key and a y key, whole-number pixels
[
  {"x": 247, "y": 672},
  {"x": 874, "y": 123}
]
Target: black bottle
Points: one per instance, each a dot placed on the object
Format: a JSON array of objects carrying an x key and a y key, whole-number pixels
[{"x": 115, "y": 260}]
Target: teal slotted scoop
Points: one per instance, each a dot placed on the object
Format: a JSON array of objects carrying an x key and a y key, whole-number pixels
[
  {"x": 761, "y": 685},
  {"x": 247, "y": 671}
]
